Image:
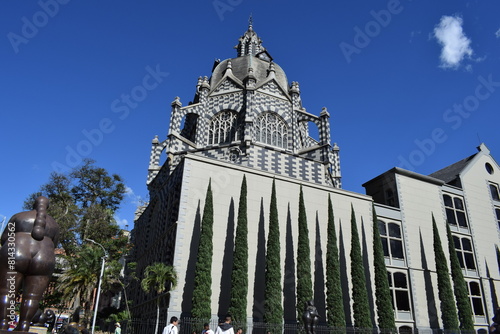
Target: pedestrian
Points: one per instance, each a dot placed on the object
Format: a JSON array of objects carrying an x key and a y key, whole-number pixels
[
  {"x": 496, "y": 321},
  {"x": 118, "y": 328},
  {"x": 225, "y": 327},
  {"x": 239, "y": 331},
  {"x": 172, "y": 327},
  {"x": 206, "y": 329}
]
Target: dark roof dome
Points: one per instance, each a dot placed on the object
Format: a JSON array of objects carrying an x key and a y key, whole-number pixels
[
  {"x": 240, "y": 66},
  {"x": 250, "y": 55}
]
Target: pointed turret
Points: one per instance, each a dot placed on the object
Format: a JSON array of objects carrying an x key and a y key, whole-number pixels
[{"x": 249, "y": 43}]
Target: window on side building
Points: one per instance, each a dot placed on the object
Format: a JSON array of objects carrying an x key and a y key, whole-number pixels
[{"x": 392, "y": 242}]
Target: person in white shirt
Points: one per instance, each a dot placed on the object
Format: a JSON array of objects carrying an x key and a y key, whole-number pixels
[
  {"x": 172, "y": 327},
  {"x": 225, "y": 327}
]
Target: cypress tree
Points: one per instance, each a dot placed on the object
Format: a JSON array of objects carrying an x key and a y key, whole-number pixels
[
  {"x": 334, "y": 296},
  {"x": 448, "y": 309},
  {"x": 273, "y": 305},
  {"x": 383, "y": 297},
  {"x": 360, "y": 307},
  {"x": 460, "y": 287},
  {"x": 304, "y": 281},
  {"x": 239, "y": 274},
  {"x": 202, "y": 292}
]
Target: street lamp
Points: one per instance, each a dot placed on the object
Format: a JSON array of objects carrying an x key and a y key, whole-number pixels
[{"x": 100, "y": 280}]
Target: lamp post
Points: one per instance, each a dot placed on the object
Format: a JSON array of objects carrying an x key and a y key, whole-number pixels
[{"x": 100, "y": 280}]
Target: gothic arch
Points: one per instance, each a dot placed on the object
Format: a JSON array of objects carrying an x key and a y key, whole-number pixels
[
  {"x": 281, "y": 112},
  {"x": 223, "y": 127},
  {"x": 271, "y": 129}
]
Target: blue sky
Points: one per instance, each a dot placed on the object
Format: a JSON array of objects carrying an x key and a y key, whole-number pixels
[{"x": 414, "y": 84}]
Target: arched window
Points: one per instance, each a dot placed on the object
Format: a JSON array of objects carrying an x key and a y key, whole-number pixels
[
  {"x": 476, "y": 298},
  {"x": 405, "y": 330},
  {"x": 455, "y": 211},
  {"x": 222, "y": 128},
  {"x": 392, "y": 242},
  {"x": 271, "y": 129},
  {"x": 465, "y": 253},
  {"x": 398, "y": 283}
]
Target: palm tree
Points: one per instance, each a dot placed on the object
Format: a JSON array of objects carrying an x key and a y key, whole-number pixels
[
  {"x": 80, "y": 276},
  {"x": 156, "y": 277}
]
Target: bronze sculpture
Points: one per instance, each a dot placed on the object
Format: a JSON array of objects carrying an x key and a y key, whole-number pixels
[
  {"x": 27, "y": 261},
  {"x": 310, "y": 317},
  {"x": 48, "y": 317}
]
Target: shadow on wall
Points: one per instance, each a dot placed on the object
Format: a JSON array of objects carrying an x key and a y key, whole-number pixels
[
  {"x": 429, "y": 288},
  {"x": 187, "y": 294},
  {"x": 290, "y": 297},
  {"x": 227, "y": 264},
  {"x": 344, "y": 281},
  {"x": 493, "y": 291},
  {"x": 366, "y": 266},
  {"x": 260, "y": 269},
  {"x": 319, "y": 276}
]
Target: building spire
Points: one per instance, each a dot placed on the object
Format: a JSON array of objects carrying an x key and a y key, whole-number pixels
[{"x": 249, "y": 43}]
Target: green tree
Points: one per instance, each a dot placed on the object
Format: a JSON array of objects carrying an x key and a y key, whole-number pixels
[
  {"x": 119, "y": 316},
  {"x": 334, "y": 294},
  {"x": 361, "y": 307},
  {"x": 83, "y": 202},
  {"x": 80, "y": 276},
  {"x": 273, "y": 307},
  {"x": 383, "y": 296},
  {"x": 304, "y": 280},
  {"x": 202, "y": 292},
  {"x": 63, "y": 208},
  {"x": 239, "y": 274},
  {"x": 159, "y": 277},
  {"x": 460, "y": 287},
  {"x": 448, "y": 309}
]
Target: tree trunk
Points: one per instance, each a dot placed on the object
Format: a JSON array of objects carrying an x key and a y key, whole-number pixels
[{"x": 157, "y": 314}]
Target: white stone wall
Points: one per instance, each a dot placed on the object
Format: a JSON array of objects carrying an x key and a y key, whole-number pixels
[
  {"x": 418, "y": 201},
  {"x": 226, "y": 182}
]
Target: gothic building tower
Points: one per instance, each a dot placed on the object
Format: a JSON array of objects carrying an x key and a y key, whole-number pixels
[
  {"x": 247, "y": 120},
  {"x": 249, "y": 115}
]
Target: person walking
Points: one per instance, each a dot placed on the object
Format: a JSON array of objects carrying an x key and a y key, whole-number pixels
[
  {"x": 225, "y": 327},
  {"x": 118, "y": 328},
  {"x": 172, "y": 327}
]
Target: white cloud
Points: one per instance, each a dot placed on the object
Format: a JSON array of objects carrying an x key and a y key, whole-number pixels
[
  {"x": 498, "y": 33},
  {"x": 128, "y": 190},
  {"x": 134, "y": 199},
  {"x": 122, "y": 223},
  {"x": 455, "y": 45}
]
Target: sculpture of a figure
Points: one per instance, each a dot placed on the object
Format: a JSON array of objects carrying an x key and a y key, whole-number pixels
[
  {"x": 310, "y": 317},
  {"x": 27, "y": 261},
  {"x": 44, "y": 318}
]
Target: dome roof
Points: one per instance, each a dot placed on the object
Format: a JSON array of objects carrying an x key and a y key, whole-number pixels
[
  {"x": 240, "y": 66},
  {"x": 250, "y": 55}
]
